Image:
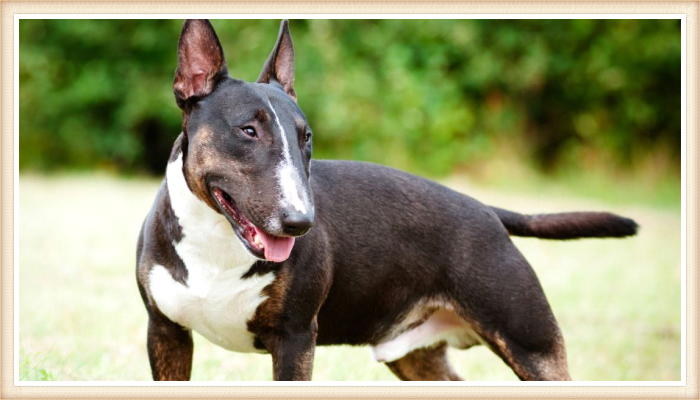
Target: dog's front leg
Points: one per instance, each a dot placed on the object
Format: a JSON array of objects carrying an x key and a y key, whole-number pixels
[
  {"x": 170, "y": 349},
  {"x": 292, "y": 354}
]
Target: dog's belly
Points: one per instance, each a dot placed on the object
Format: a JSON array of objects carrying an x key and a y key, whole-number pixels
[
  {"x": 218, "y": 309},
  {"x": 416, "y": 332}
]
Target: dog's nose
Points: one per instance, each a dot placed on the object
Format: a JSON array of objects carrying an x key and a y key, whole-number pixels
[{"x": 296, "y": 224}]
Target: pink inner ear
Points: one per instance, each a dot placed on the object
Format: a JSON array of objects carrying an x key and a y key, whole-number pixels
[
  {"x": 280, "y": 64},
  {"x": 284, "y": 67},
  {"x": 198, "y": 83},
  {"x": 192, "y": 80},
  {"x": 200, "y": 59},
  {"x": 198, "y": 67},
  {"x": 189, "y": 85}
]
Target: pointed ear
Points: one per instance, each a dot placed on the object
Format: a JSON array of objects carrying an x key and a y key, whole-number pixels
[
  {"x": 280, "y": 65},
  {"x": 200, "y": 61}
]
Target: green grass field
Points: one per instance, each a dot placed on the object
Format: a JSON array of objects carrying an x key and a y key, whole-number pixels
[{"x": 81, "y": 318}]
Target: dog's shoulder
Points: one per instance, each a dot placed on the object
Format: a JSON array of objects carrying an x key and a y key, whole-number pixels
[
  {"x": 161, "y": 227},
  {"x": 160, "y": 230}
]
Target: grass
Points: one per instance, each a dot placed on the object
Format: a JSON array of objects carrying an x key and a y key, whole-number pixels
[{"x": 81, "y": 317}]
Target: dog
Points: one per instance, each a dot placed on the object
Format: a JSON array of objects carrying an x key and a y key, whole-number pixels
[{"x": 260, "y": 249}]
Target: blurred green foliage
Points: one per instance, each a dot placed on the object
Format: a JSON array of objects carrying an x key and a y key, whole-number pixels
[{"x": 430, "y": 96}]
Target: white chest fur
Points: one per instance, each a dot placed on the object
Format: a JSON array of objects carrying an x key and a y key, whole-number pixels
[{"x": 216, "y": 302}]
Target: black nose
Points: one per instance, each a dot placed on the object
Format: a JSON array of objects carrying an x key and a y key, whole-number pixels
[{"x": 296, "y": 224}]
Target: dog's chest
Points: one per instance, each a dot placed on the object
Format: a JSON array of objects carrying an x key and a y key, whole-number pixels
[{"x": 216, "y": 301}]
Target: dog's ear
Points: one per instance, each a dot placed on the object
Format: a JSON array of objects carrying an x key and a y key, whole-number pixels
[
  {"x": 279, "y": 66},
  {"x": 200, "y": 61}
]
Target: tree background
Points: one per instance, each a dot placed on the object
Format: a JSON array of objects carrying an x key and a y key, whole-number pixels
[{"x": 430, "y": 96}]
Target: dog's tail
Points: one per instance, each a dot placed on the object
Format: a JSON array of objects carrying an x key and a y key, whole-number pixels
[{"x": 573, "y": 225}]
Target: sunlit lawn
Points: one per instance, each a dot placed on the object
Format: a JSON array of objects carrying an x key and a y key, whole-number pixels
[{"x": 81, "y": 317}]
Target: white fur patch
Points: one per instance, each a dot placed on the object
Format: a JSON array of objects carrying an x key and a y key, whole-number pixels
[
  {"x": 443, "y": 325},
  {"x": 216, "y": 302},
  {"x": 287, "y": 175}
]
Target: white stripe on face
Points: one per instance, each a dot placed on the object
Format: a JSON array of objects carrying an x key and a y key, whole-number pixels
[{"x": 286, "y": 174}]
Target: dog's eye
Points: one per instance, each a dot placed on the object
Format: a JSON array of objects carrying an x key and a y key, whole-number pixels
[
  {"x": 250, "y": 131},
  {"x": 307, "y": 136}
]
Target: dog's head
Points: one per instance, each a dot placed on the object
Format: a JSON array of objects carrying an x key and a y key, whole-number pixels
[{"x": 247, "y": 146}]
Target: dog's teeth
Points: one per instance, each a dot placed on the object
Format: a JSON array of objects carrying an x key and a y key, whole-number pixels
[{"x": 258, "y": 242}]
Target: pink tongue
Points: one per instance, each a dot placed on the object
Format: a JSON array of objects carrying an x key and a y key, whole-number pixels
[{"x": 277, "y": 249}]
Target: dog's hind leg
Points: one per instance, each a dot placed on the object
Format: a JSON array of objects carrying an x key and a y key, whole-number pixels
[
  {"x": 507, "y": 308},
  {"x": 546, "y": 363},
  {"x": 426, "y": 364}
]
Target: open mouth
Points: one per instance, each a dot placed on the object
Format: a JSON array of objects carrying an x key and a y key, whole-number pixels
[{"x": 260, "y": 243}]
